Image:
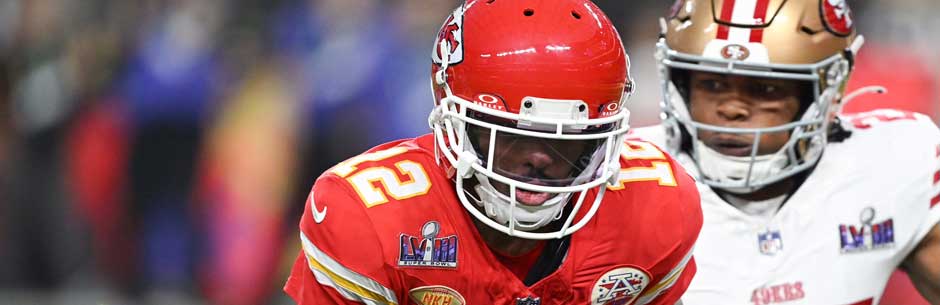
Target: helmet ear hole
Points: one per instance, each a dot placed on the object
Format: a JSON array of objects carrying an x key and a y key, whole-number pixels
[
  {"x": 528, "y": 12},
  {"x": 575, "y": 14}
]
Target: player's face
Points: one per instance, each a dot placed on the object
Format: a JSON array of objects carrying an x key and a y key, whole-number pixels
[
  {"x": 536, "y": 161},
  {"x": 743, "y": 102}
]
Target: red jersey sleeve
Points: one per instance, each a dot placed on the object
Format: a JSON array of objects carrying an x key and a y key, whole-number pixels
[
  {"x": 675, "y": 270},
  {"x": 341, "y": 261}
]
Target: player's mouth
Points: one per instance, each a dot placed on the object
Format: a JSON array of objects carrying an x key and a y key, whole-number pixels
[
  {"x": 527, "y": 197},
  {"x": 530, "y": 198},
  {"x": 729, "y": 146}
]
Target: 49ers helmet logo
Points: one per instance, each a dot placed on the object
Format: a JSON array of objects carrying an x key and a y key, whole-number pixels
[
  {"x": 452, "y": 35},
  {"x": 836, "y": 16},
  {"x": 735, "y": 52}
]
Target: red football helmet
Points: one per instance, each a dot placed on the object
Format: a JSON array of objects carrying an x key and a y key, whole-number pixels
[{"x": 548, "y": 70}]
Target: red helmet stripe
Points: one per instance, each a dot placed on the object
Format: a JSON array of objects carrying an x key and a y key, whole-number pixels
[
  {"x": 760, "y": 12},
  {"x": 727, "y": 8}
]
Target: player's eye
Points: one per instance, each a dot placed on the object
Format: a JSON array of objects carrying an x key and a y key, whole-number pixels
[
  {"x": 770, "y": 91},
  {"x": 711, "y": 85}
]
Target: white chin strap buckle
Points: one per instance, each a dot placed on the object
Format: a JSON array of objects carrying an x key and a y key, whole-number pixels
[
  {"x": 464, "y": 164},
  {"x": 615, "y": 177}
]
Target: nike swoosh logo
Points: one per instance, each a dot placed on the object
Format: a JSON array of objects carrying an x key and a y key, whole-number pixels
[{"x": 317, "y": 214}]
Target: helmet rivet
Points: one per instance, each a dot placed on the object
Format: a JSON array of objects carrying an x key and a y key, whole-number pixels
[
  {"x": 527, "y": 104},
  {"x": 581, "y": 108}
]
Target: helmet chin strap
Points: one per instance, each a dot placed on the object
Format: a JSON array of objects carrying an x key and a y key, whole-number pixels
[{"x": 725, "y": 168}]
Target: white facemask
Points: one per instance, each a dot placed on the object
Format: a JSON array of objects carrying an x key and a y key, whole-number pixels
[
  {"x": 723, "y": 168},
  {"x": 499, "y": 207}
]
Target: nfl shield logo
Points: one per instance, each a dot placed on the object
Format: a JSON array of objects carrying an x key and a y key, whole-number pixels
[
  {"x": 769, "y": 242},
  {"x": 529, "y": 300}
]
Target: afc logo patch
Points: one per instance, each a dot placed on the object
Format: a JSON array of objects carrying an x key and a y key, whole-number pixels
[
  {"x": 868, "y": 235},
  {"x": 619, "y": 286},
  {"x": 428, "y": 250}
]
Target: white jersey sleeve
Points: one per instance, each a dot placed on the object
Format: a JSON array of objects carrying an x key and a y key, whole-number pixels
[{"x": 909, "y": 144}]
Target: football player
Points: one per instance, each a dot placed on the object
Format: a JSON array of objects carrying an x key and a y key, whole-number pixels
[
  {"x": 802, "y": 204},
  {"x": 524, "y": 194}
]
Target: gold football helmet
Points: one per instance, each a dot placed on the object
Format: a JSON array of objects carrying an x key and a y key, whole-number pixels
[{"x": 803, "y": 40}]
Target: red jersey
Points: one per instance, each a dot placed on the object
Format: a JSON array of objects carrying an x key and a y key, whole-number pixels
[{"x": 386, "y": 227}]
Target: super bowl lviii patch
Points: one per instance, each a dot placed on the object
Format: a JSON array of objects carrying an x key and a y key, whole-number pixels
[
  {"x": 435, "y": 295},
  {"x": 868, "y": 234},
  {"x": 428, "y": 250}
]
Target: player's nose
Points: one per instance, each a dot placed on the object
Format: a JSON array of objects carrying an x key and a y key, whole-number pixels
[
  {"x": 733, "y": 109},
  {"x": 538, "y": 159}
]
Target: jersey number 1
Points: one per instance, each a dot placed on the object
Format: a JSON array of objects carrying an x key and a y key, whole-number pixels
[{"x": 660, "y": 171}]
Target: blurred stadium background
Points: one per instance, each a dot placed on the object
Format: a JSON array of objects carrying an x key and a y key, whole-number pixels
[{"x": 160, "y": 151}]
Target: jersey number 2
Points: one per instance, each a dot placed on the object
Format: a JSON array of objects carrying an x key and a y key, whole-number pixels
[{"x": 364, "y": 182}]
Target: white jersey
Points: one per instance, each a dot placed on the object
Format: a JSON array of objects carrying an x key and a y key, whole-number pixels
[{"x": 868, "y": 203}]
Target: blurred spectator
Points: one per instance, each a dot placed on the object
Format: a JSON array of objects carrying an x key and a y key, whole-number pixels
[
  {"x": 47, "y": 244},
  {"x": 244, "y": 186},
  {"x": 170, "y": 86},
  {"x": 361, "y": 69},
  {"x": 340, "y": 74},
  {"x": 6, "y": 274}
]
